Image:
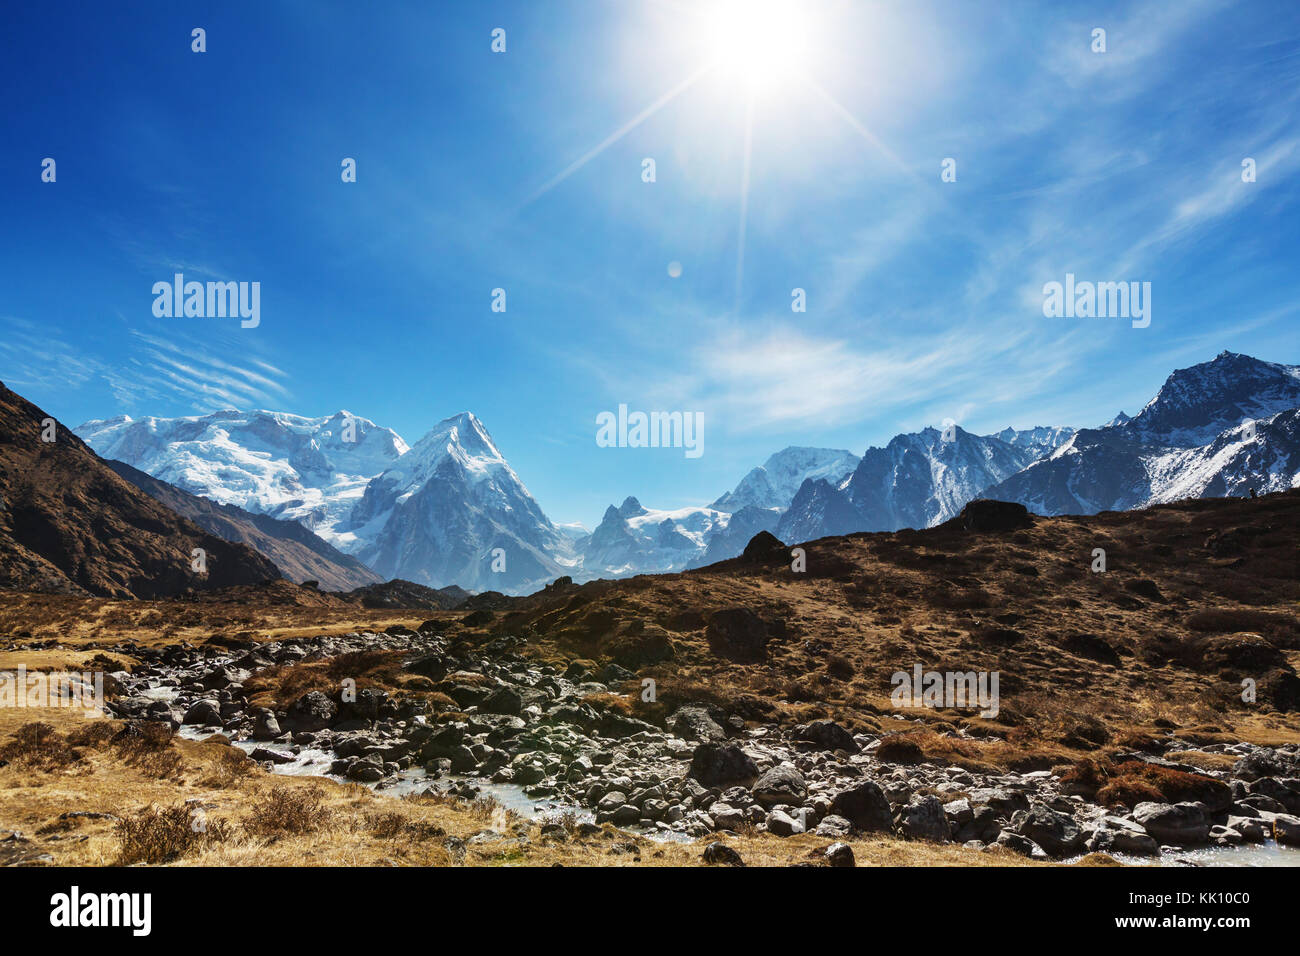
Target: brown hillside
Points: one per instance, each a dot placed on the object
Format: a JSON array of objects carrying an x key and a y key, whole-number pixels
[
  {"x": 1197, "y": 597},
  {"x": 68, "y": 523}
]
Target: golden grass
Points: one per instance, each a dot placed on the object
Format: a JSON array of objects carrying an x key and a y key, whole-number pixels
[{"x": 256, "y": 819}]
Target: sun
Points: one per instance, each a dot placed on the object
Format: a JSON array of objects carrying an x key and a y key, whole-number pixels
[{"x": 759, "y": 42}]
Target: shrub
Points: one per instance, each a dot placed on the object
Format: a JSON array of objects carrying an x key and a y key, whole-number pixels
[
  {"x": 288, "y": 810},
  {"x": 1135, "y": 781},
  {"x": 391, "y": 825},
  {"x": 840, "y": 667},
  {"x": 162, "y": 835},
  {"x": 39, "y": 746}
]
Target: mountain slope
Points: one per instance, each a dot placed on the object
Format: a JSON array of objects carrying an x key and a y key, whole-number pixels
[
  {"x": 633, "y": 539},
  {"x": 68, "y": 522},
  {"x": 299, "y": 554},
  {"x": 438, "y": 516},
  {"x": 1196, "y": 404},
  {"x": 1189, "y": 441},
  {"x": 774, "y": 483},
  {"x": 272, "y": 463},
  {"x": 916, "y": 481}
]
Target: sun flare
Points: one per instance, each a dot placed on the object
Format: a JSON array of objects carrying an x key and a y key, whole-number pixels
[{"x": 760, "y": 42}]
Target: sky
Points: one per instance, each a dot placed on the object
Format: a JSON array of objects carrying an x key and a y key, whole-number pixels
[{"x": 794, "y": 147}]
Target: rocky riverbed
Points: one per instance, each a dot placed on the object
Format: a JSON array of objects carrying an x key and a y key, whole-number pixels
[{"x": 533, "y": 727}]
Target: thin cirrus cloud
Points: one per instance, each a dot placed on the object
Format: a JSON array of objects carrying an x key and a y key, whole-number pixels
[
  {"x": 790, "y": 377},
  {"x": 186, "y": 370},
  {"x": 180, "y": 371}
]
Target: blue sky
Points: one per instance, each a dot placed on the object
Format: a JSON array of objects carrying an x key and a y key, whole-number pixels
[{"x": 523, "y": 170}]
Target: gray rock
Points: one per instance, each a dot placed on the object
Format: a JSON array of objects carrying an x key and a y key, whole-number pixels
[
  {"x": 1055, "y": 832},
  {"x": 720, "y": 853},
  {"x": 1020, "y": 844},
  {"x": 204, "y": 713},
  {"x": 923, "y": 819},
  {"x": 865, "y": 807},
  {"x": 782, "y": 824},
  {"x": 694, "y": 723},
  {"x": 832, "y": 825},
  {"x": 1286, "y": 829},
  {"x": 781, "y": 784},
  {"x": 826, "y": 735},
  {"x": 1179, "y": 824},
  {"x": 716, "y": 764},
  {"x": 263, "y": 754},
  {"x": 311, "y": 711},
  {"x": 840, "y": 854},
  {"x": 504, "y": 700},
  {"x": 265, "y": 726},
  {"x": 1250, "y": 829}
]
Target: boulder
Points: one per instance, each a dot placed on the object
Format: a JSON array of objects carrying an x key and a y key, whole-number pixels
[
  {"x": 694, "y": 723},
  {"x": 781, "y": 784},
  {"x": 1179, "y": 824},
  {"x": 923, "y": 819},
  {"x": 1286, "y": 829},
  {"x": 986, "y": 515},
  {"x": 719, "y": 853},
  {"x": 826, "y": 735},
  {"x": 265, "y": 726},
  {"x": 840, "y": 854},
  {"x": 311, "y": 711},
  {"x": 738, "y": 634},
  {"x": 204, "y": 713},
  {"x": 503, "y": 700},
  {"x": 1020, "y": 844},
  {"x": 782, "y": 824},
  {"x": 1055, "y": 832},
  {"x": 764, "y": 548},
  {"x": 865, "y": 807},
  {"x": 716, "y": 764}
]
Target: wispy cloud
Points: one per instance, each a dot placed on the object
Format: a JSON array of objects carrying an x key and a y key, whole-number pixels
[{"x": 181, "y": 369}]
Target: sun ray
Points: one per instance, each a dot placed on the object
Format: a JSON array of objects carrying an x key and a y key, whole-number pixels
[
  {"x": 618, "y": 134},
  {"x": 857, "y": 125},
  {"x": 744, "y": 199}
]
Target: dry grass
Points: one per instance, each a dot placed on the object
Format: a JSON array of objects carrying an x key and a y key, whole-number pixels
[{"x": 254, "y": 819}]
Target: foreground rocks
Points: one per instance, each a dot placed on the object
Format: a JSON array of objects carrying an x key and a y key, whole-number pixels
[{"x": 552, "y": 733}]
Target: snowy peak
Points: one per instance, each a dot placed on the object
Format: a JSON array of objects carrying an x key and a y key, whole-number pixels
[
  {"x": 309, "y": 470},
  {"x": 775, "y": 483},
  {"x": 453, "y": 511},
  {"x": 1196, "y": 404},
  {"x": 1041, "y": 440},
  {"x": 461, "y": 439},
  {"x": 1223, "y": 427},
  {"x": 631, "y": 508}
]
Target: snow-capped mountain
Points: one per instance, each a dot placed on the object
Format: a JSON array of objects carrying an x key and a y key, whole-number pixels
[
  {"x": 309, "y": 470},
  {"x": 1039, "y": 441},
  {"x": 453, "y": 511},
  {"x": 1198, "y": 403},
  {"x": 917, "y": 480},
  {"x": 633, "y": 539},
  {"x": 1192, "y": 440},
  {"x": 774, "y": 483}
]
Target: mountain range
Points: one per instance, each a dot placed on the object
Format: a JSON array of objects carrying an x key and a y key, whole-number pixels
[{"x": 451, "y": 511}]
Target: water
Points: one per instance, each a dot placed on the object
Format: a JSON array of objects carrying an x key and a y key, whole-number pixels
[
  {"x": 1261, "y": 854},
  {"x": 314, "y": 762}
]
